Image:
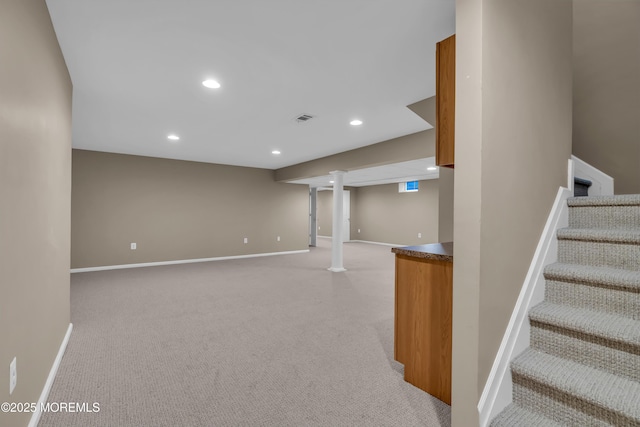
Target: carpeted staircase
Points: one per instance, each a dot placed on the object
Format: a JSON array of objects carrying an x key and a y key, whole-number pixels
[{"x": 583, "y": 364}]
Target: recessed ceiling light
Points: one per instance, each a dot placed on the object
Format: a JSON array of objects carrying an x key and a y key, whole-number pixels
[
  {"x": 211, "y": 84},
  {"x": 173, "y": 137},
  {"x": 355, "y": 122},
  {"x": 276, "y": 152},
  {"x": 331, "y": 182},
  {"x": 432, "y": 168}
]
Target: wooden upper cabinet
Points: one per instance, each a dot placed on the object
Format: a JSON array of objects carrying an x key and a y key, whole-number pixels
[{"x": 445, "y": 101}]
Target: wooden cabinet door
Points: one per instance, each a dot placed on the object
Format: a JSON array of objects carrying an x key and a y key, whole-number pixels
[
  {"x": 445, "y": 101},
  {"x": 423, "y": 311}
]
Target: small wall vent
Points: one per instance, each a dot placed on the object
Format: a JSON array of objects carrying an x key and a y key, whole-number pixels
[{"x": 303, "y": 118}]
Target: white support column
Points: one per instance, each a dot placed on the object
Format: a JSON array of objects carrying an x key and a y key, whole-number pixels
[
  {"x": 313, "y": 216},
  {"x": 338, "y": 221}
]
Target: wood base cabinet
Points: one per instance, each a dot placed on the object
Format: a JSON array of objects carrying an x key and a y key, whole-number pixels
[{"x": 423, "y": 309}]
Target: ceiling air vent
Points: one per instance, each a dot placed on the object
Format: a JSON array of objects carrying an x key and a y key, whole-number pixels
[{"x": 303, "y": 118}]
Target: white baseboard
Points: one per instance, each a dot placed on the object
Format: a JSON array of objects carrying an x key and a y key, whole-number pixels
[
  {"x": 394, "y": 245},
  {"x": 183, "y": 261},
  {"x": 35, "y": 417}
]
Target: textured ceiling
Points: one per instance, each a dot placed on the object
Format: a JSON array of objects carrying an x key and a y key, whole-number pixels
[{"x": 137, "y": 68}]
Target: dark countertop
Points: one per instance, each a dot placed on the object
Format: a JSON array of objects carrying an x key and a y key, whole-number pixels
[{"x": 437, "y": 251}]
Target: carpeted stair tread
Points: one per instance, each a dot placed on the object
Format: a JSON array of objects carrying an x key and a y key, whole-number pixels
[
  {"x": 612, "y": 217},
  {"x": 611, "y": 277},
  {"x": 600, "y": 235},
  {"x": 618, "y": 200},
  {"x": 516, "y": 415},
  {"x": 598, "y": 324},
  {"x": 610, "y": 392}
]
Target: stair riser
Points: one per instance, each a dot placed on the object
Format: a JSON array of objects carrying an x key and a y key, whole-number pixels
[
  {"x": 601, "y": 298},
  {"x": 580, "y": 190},
  {"x": 514, "y": 415},
  {"x": 563, "y": 408},
  {"x": 610, "y": 217},
  {"x": 599, "y": 353},
  {"x": 599, "y": 254}
]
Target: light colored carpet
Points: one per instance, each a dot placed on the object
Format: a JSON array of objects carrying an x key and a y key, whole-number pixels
[{"x": 274, "y": 341}]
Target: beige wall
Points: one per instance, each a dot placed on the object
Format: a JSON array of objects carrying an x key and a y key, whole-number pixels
[
  {"x": 35, "y": 190},
  {"x": 410, "y": 147},
  {"x": 426, "y": 109},
  {"x": 445, "y": 204},
  {"x": 466, "y": 218},
  {"x": 176, "y": 210},
  {"x": 384, "y": 215},
  {"x": 606, "y": 85},
  {"x": 325, "y": 211},
  {"x": 513, "y": 121}
]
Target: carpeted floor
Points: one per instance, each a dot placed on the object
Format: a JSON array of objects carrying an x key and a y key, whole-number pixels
[{"x": 273, "y": 341}]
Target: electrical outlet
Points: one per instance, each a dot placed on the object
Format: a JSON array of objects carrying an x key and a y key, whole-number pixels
[
  {"x": 278, "y": 239},
  {"x": 13, "y": 375},
  {"x": 134, "y": 246},
  {"x": 419, "y": 235},
  {"x": 246, "y": 240}
]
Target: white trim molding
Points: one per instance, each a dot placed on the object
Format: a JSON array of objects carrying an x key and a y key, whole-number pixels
[
  {"x": 497, "y": 393},
  {"x": 571, "y": 173},
  {"x": 394, "y": 245},
  {"x": 601, "y": 183},
  {"x": 183, "y": 261},
  {"x": 35, "y": 416}
]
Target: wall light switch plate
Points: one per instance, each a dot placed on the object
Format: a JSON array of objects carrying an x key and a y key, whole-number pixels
[
  {"x": 246, "y": 240},
  {"x": 278, "y": 238},
  {"x": 358, "y": 230},
  {"x": 419, "y": 235},
  {"x": 134, "y": 246}
]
